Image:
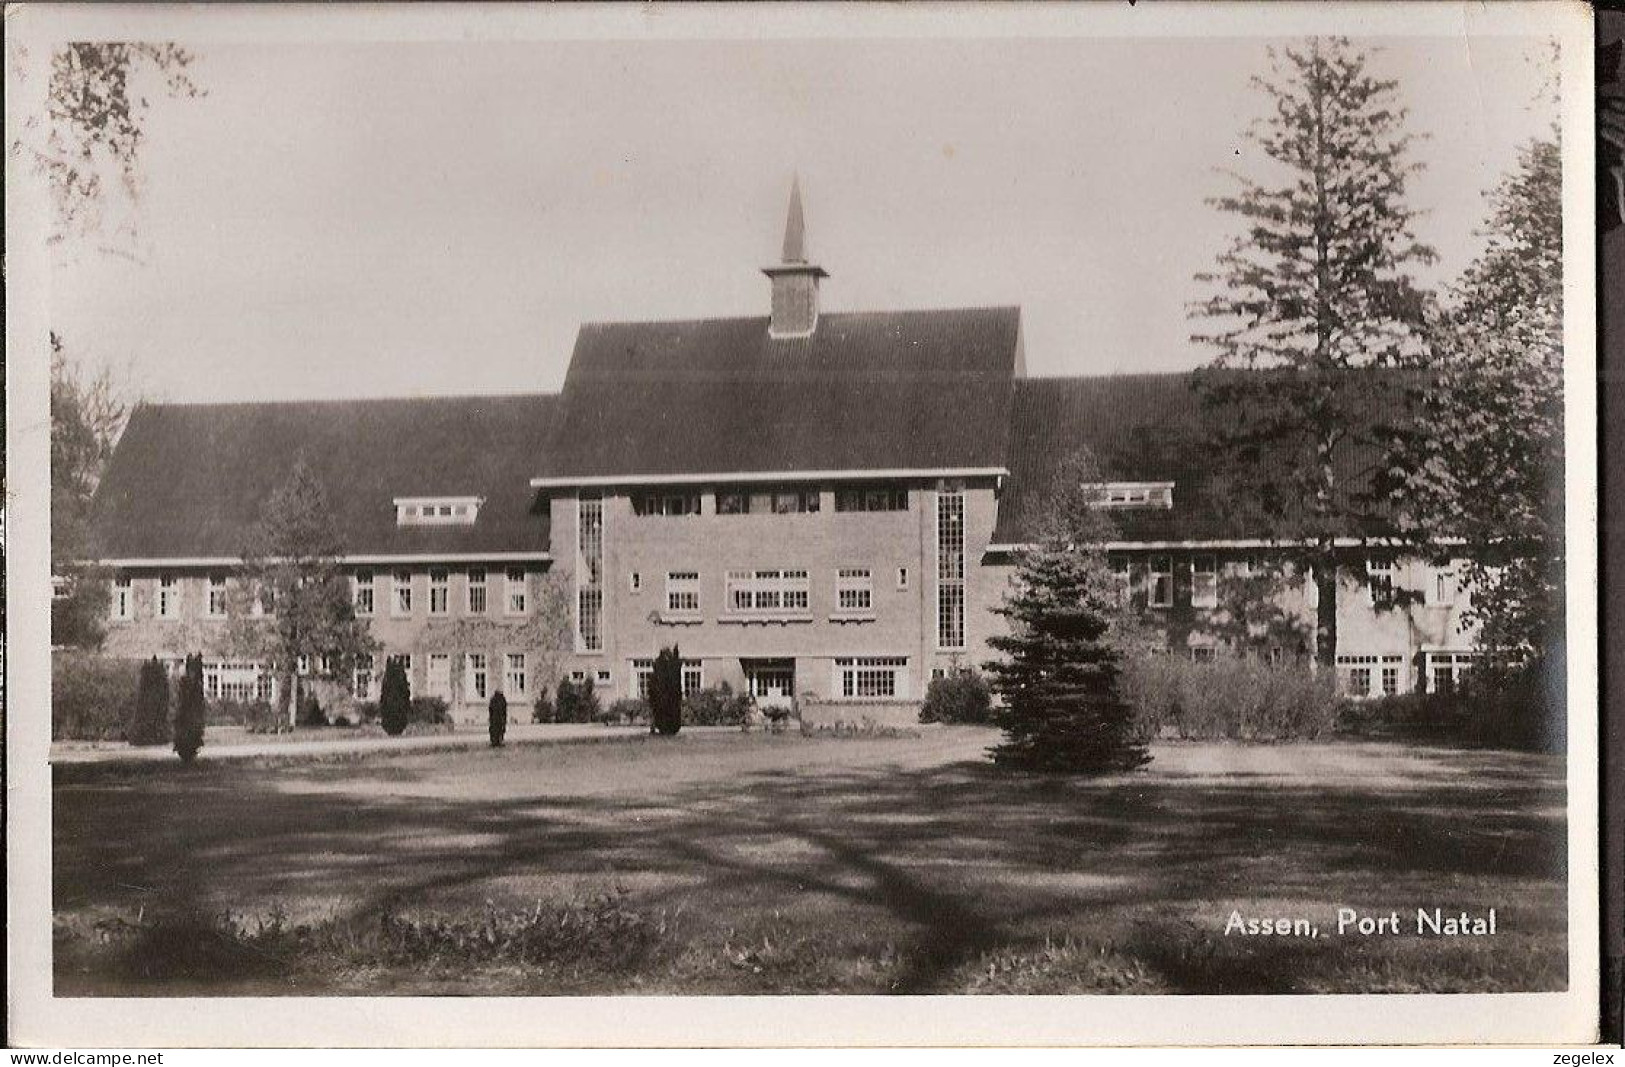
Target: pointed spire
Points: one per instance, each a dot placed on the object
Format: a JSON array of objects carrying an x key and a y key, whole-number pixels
[{"x": 795, "y": 227}]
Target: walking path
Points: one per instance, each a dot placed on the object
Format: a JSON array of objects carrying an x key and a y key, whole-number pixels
[{"x": 237, "y": 744}]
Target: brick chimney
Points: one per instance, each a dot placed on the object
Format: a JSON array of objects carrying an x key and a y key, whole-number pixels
[{"x": 795, "y": 281}]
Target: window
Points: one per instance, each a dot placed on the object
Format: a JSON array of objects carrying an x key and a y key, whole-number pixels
[
  {"x": 634, "y": 582},
  {"x": 437, "y": 511},
  {"x": 361, "y": 684},
  {"x": 1204, "y": 582},
  {"x": 1358, "y": 674},
  {"x": 516, "y": 677},
  {"x": 950, "y": 569},
  {"x": 302, "y": 666},
  {"x": 644, "y": 669},
  {"x": 1203, "y": 653},
  {"x": 1359, "y": 684},
  {"x": 871, "y": 678},
  {"x": 475, "y": 679},
  {"x": 169, "y": 597},
  {"x": 1162, "y": 581},
  {"x": 439, "y": 592},
  {"x": 402, "y": 604},
  {"x": 516, "y": 592},
  {"x": 1445, "y": 670},
  {"x": 1123, "y": 575},
  {"x": 902, "y": 578},
  {"x": 1390, "y": 680},
  {"x": 871, "y": 499},
  {"x": 1444, "y": 587},
  {"x": 475, "y": 596},
  {"x": 405, "y": 660},
  {"x": 123, "y": 599},
  {"x": 683, "y": 593},
  {"x": 1380, "y": 582},
  {"x": 438, "y": 682},
  {"x": 854, "y": 589},
  {"x": 361, "y": 589},
  {"x": 1133, "y": 495},
  {"x": 214, "y": 606},
  {"x": 589, "y": 574},
  {"x": 768, "y": 501},
  {"x": 755, "y": 592},
  {"x": 264, "y": 601},
  {"x": 666, "y": 504},
  {"x": 602, "y": 678},
  {"x": 236, "y": 681}
]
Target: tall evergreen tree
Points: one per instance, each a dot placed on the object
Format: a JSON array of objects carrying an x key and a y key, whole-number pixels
[
  {"x": 1310, "y": 298},
  {"x": 149, "y": 717},
  {"x": 1485, "y": 464},
  {"x": 666, "y": 693},
  {"x": 395, "y": 698},
  {"x": 190, "y": 711}
]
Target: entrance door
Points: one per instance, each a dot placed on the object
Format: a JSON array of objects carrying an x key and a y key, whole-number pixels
[{"x": 771, "y": 681}]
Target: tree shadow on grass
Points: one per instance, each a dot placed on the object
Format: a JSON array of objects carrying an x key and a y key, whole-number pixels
[{"x": 950, "y": 861}]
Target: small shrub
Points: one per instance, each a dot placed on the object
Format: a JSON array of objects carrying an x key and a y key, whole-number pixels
[
  {"x": 91, "y": 696},
  {"x": 542, "y": 709},
  {"x": 310, "y": 711},
  {"x": 666, "y": 693},
  {"x": 260, "y": 717},
  {"x": 628, "y": 711},
  {"x": 367, "y": 711},
  {"x": 343, "y": 722},
  {"x": 717, "y": 706},
  {"x": 190, "y": 711},
  {"x": 961, "y": 696},
  {"x": 577, "y": 702},
  {"x": 430, "y": 711},
  {"x": 149, "y": 718},
  {"x": 496, "y": 718},
  {"x": 395, "y": 700}
]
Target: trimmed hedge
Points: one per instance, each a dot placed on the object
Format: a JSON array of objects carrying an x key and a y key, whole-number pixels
[
  {"x": 717, "y": 706},
  {"x": 960, "y": 696},
  {"x": 91, "y": 696},
  {"x": 1230, "y": 697},
  {"x": 628, "y": 711}
]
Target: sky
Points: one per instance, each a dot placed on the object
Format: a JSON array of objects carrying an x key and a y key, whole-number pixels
[{"x": 420, "y": 218}]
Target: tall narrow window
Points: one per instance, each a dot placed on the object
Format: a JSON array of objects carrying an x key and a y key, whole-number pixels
[
  {"x": 169, "y": 597},
  {"x": 1123, "y": 576},
  {"x": 516, "y": 678},
  {"x": 438, "y": 682},
  {"x": 439, "y": 592},
  {"x": 1162, "y": 582},
  {"x": 474, "y": 679},
  {"x": 1204, "y": 582},
  {"x": 476, "y": 591},
  {"x": 854, "y": 589},
  {"x": 517, "y": 602},
  {"x": 950, "y": 569},
  {"x": 402, "y": 604},
  {"x": 362, "y": 588},
  {"x": 123, "y": 599},
  {"x": 215, "y": 606},
  {"x": 683, "y": 593},
  {"x": 1444, "y": 587},
  {"x": 590, "y": 574},
  {"x": 362, "y": 686},
  {"x": 1380, "y": 581}
]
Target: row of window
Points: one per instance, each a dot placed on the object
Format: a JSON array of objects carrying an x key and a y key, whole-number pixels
[
  {"x": 771, "y": 500},
  {"x": 1385, "y": 675},
  {"x": 1204, "y": 580},
  {"x": 364, "y": 591},
  {"x": 477, "y": 675},
  {"x": 769, "y": 590}
]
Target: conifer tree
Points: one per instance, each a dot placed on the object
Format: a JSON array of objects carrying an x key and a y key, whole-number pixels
[
  {"x": 149, "y": 719},
  {"x": 496, "y": 718},
  {"x": 395, "y": 698},
  {"x": 190, "y": 711},
  {"x": 1311, "y": 296},
  {"x": 666, "y": 693}
]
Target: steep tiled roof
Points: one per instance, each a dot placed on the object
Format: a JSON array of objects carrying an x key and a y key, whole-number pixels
[
  {"x": 883, "y": 391},
  {"x": 189, "y": 480}
]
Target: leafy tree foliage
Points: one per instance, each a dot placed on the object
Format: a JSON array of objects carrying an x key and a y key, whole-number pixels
[
  {"x": 149, "y": 718},
  {"x": 1486, "y": 462},
  {"x": 395, "y": 698},
  {"x": 1310, "y": 298},
  {"x": 190, "y": 711},
  {"x": 496, "y": 714},
  {"x": 293, "y": 598},
  {"x": 666, "y": 693}
]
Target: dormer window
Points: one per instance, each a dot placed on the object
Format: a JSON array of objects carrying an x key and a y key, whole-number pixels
[
  {"x": 437, "y": 511},
  {"x": 1134, "y": 495}
]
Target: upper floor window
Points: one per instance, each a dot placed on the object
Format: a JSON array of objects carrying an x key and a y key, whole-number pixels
[
  {"x": 666, "y": 504},
  {"x": 402, "y": 604},
  {"x": 361, "y": 587},
  {"x": 1204, "y": 582},
  {"x": 439, "y": 592},
  {"x": 1162, "y": 582},
  {"x": 1445, "y": 587},
  {"x": 437, "y": 511},
  {"x": 215, "y": 605},
  {"x": 768, "y": 590},
  {"x": 871, "y": 499},
  {"x": 123, "y": 599},
  {"x": 768, "y": 502},
  {"x": 854, "y": 589},
  {"x": 683, "y": 593},
  {"x": 169, "y": 597},
  {"x": 476, "y": 591},
  {"x": 1134, "y": 495},
  {"x": 515, "y": 589},
  {"x": 1123, "y": 575},
  {"x": 1379, "y": 573}
]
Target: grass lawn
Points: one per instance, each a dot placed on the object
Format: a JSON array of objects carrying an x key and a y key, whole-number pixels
[{"x": 755, "y": 864}]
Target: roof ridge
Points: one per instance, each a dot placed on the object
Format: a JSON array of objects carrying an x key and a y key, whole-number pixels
[
  {"x": 822, "y": 316},
  {"x": 335, "y": 401}
]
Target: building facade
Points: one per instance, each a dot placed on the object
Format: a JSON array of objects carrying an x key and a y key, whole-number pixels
[{"x": 811, "y": 506}]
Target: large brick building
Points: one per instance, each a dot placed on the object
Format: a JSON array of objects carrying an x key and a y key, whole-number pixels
[{"x": 805, "y": 503}]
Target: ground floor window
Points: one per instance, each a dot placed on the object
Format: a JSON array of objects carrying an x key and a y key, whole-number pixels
[
  {"x": 1369, "y": 676},
  {"x": 236, "y": 681},
  {"x": 773, "y": 682},
  {"x": 476, "y": 676},
  {"x": 1445, "y": 671},
  {"x": 872, "y": 677},
  {"x": 517, "y": 677},
  {"x": 362, "y": 683},
  {"x": 644, "y": 669}
]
